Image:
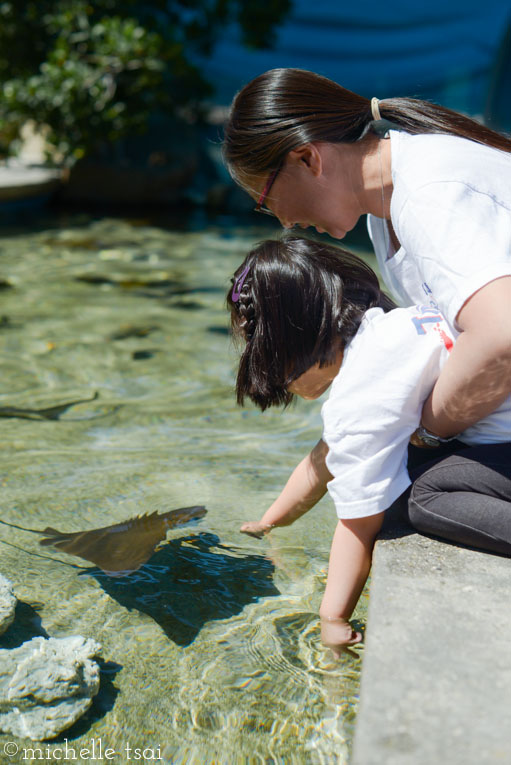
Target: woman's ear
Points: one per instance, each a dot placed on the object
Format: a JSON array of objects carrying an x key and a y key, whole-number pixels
[{"x": 309, "y": 155}]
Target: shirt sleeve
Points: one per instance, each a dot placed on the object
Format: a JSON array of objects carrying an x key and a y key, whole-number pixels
[
  {"x": 460, "y": 238},
  {"x": 375, "y": 405}
]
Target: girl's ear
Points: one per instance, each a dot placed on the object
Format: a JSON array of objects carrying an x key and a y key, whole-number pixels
[{"x": 309, "y": 155}]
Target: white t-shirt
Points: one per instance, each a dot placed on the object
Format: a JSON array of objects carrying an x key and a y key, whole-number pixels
[
  {"x": 451, "y": 212},
  {"x": 388, "y": 370}
]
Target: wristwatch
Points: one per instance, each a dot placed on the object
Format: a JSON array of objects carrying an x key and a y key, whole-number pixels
[{"x": 430, "y": 439}]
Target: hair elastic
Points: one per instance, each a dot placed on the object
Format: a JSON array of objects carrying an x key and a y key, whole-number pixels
[
  {"x": 375, "y": 109},
  {"x": 238, "y": 285}
]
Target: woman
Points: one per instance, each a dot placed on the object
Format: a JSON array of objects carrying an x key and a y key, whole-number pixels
[{"x": 436, "y": 187}]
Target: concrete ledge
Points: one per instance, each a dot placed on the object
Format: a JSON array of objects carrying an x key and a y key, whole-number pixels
[
  {"x": 436, "y": 677},
  {"x": 19, "y": 182}
]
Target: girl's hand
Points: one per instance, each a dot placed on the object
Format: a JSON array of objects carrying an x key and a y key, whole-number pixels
[
  {"x": 338, "y": 633},
  {"x": 256, "y": 529}
]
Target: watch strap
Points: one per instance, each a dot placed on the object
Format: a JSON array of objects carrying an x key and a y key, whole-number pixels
[{"x": 431, "y": 438}]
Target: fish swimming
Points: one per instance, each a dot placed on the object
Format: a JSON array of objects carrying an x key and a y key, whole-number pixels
[{"x": 122, "y": 548}]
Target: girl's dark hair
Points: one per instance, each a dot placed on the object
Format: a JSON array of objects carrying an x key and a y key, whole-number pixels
[
  {"x": 301, "y": 302},
  {"x": 283, "y": 109}
]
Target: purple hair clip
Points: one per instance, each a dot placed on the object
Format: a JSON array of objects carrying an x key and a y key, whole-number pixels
[{"x": 238, "y": 285}]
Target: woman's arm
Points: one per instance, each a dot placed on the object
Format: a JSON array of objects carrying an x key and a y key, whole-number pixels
[
  {"x": 303, "y": 490},
  {"x": 477, "y": 376}
]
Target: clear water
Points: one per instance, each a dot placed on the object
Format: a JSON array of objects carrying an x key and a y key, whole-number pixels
[{"x": 212, "y": 649}]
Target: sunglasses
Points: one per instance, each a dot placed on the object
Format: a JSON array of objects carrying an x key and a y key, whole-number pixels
[{"x": 269, "y": 183}]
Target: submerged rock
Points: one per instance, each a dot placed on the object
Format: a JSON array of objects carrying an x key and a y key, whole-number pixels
[
  {"x": 7, "y": 604},
  {"x": 46, "y": 685}
]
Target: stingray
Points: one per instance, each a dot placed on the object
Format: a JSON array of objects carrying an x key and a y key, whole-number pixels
[
  {"x": 48, "y": 413},
  {"x": 122, "y": 548}
]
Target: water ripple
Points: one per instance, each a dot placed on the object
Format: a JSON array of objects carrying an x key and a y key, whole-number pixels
[{"x": 217, "y": 636}]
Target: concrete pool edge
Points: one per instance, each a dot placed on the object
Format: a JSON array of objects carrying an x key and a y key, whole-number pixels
[{"x": 436, "y": 676}]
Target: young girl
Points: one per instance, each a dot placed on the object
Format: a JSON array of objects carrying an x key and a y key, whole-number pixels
[{"x": 312, "y": 317}]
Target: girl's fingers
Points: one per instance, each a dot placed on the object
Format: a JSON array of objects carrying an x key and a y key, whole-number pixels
[{"x": 252, "y": 530}]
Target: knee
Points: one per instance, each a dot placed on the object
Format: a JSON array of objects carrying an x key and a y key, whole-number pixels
[{"x": 420, "y": 501}]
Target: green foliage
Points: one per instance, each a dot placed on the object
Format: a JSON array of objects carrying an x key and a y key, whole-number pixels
[{"x": 93, "y": 72}]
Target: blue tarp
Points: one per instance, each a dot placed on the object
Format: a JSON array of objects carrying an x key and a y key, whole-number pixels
[{"x": 444, "y": 50}]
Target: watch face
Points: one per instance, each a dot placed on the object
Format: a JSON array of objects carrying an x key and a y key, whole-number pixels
[
  {"x": 427, "y": 439},
  {"x": 430, "y": 441}
]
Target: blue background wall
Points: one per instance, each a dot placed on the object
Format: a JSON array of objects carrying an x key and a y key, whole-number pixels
[{"x": 450, "y": 51}]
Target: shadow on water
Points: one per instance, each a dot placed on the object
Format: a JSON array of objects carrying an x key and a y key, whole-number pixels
[
  {"x": 191, "y": 581},
  {"x": 102, "y": 703},
  {"x": 183, "y": 584},
  {"x": 27, "y": 625}
]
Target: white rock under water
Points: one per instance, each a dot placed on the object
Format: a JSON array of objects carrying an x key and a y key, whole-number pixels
[
  {"x": 7, "y": 604},
  {"x": 46, "y": 685}
]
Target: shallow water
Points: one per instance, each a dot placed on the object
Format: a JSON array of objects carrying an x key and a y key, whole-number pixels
[{"x": 212, "y": 650}]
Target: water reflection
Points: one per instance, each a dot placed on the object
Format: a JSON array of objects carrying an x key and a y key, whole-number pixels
[
  {"x": 243, "y": 675},
  {"x": 192, "y": 581}
]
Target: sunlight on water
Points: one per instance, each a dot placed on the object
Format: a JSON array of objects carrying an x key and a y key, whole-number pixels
[{"x": 212, "y": 646}]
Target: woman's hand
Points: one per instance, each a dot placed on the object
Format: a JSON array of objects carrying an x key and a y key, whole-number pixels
[
  {"x": 256, "y": 529},
  {"x": 337, "y": 634}
]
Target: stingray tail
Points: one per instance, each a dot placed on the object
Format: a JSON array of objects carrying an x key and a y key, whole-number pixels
[{"x": 22, "y": 528}]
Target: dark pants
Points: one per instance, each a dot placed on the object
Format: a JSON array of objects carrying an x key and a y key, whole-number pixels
[{"x": 463, "y": 494}]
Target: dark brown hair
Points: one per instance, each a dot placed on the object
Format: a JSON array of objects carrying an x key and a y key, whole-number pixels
[
  {"x": 300, "y": 303},
  {"x": 283, "y": 109}
]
